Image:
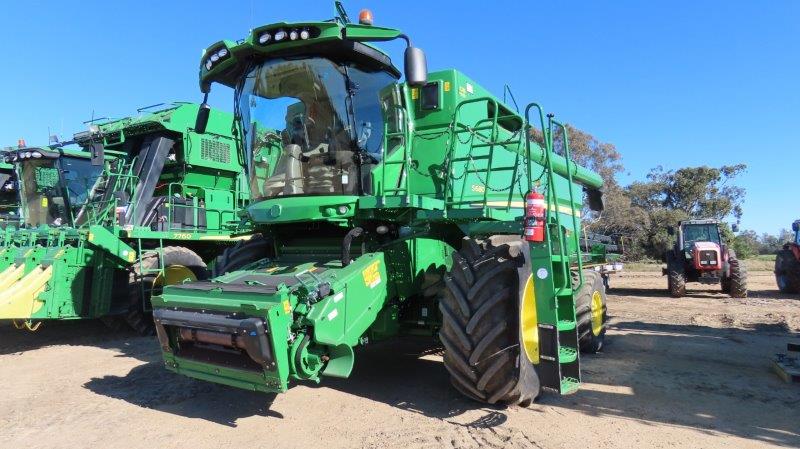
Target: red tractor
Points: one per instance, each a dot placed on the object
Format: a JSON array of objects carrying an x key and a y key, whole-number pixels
[
  {"x": 787, "y": 264},
  {"x": 700, "y": 255}
]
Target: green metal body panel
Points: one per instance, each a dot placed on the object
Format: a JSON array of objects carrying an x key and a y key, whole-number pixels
[
  {"x": 83, "y": 263},
  {"x": 460, "y": 169}
]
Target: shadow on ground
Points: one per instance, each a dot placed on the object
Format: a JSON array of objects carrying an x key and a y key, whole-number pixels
[
  {"x": 151, "y": 386},
  {"x": 396, "y": 373},
  {"x": 706, "y": 378},
  {"x": 66, "y": 332}
]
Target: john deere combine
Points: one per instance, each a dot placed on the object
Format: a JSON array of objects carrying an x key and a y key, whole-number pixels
[
  {"x": 144, "y": 202},
  {"x": 387, "y": 208}
]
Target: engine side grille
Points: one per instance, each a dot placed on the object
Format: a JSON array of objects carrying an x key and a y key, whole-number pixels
[{"x": 215, "y": 151}]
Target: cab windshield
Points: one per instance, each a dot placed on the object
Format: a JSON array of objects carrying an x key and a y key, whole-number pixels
[
  {"x": 53, "y": 190},
  {"x": 310, "y": 126},
  {"x": 700, "y": 233},
  {"x": 8, "y": 191}
]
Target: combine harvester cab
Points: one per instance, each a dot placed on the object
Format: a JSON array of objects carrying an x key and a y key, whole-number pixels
[
  {"x": 9, "y": 196},
  {"x": 141, "y": 204},
  {"x": 387, "y": 208}
]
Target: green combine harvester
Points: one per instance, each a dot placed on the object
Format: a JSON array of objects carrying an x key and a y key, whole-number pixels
[
  {"x": 387, "y": 208},
  {"x": 143, "y": 202}
]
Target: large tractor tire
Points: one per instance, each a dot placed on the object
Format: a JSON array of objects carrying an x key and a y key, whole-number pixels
[
  {"x": 787, "y": 271},
  {"x": 725, "y": 283},
  {"x": 481, "y": 333},
  {"x": 676, "y": 279},
  {"x": 590, "y": 311},
  {"x": 738, "y": 278},
  {"x": 180, "y": 264},
  {"x": 244, "y": 252}
]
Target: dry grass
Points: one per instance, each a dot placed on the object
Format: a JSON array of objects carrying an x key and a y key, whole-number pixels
[{"x": 761, "y": 263}]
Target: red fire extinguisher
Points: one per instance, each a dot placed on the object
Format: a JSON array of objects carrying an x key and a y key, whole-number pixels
[{"x": 534, "y": 216}]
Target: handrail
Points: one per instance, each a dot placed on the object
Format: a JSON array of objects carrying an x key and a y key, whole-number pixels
[
  {"x": 576, "y": 233},
  {"x": 405, "y": 162}
]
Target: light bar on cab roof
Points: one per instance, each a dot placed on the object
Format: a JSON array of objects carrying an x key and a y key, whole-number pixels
[
  {"x": 216, "y": 55},
  {"x": 283, "y": 34}
]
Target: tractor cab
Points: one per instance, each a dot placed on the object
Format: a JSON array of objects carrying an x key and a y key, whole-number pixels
[
  {"x": 701, "y": 243},
  {"x": 322, "y": 122},
  {"x": 700, "y": 232},
  {"x": 55, "y": 185}
]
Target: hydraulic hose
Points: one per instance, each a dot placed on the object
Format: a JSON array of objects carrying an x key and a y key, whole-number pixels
[{"x": 348, "y": 240}]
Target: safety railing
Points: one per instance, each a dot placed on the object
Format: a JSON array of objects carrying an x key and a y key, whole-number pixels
[
  {"x": 173, "y": 189},
  {"x": 485, "y": 133},
  {"x": 576, "y": 234}
]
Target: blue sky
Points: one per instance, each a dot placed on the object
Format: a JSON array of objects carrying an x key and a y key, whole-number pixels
[{"x": 669, "y": 83}]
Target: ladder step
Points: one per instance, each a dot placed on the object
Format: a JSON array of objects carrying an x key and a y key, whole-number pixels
[
  {"x": 569, "y": 385},
  {"x": 564, "y": 291},
  {"x": 567, "y": 355},
  {"x": 566, "y": 325}
]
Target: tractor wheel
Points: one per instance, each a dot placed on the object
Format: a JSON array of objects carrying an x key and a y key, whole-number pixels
[
  {"x": 481, "y": 309},
  {"x": 676, "y": 281},
  {"x": 725, "y": 283},
  {"x": 590, "y": 310},
  {"x": 738, "y": 279},
  {"x": 242, "y": 253},
  {"x": 179, "y": 264},
  {"x": 787, "y": 271}
]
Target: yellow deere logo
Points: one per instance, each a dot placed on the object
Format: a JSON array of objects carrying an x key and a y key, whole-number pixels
[{"x": 372, "y": 275}]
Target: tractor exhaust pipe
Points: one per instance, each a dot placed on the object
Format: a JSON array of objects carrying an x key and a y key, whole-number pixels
[{"x": 203, "y": 113}]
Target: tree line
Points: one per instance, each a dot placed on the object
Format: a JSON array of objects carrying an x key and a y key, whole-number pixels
[{"x": 639, "y": 213}]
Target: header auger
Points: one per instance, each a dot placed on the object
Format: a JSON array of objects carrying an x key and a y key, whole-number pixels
[
  {"x": 143, "y": 202},
  {"x": 386, "y": 208}
]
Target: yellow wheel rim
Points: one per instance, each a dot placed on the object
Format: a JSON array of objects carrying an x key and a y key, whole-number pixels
[
  {"x": 597, "y": 313},
  {"x": 174, "y": 274},
  {"x": 529, "y": 322}
]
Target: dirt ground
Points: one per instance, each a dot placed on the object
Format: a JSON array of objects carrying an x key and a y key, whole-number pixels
[{"x": 691, "y": 372}]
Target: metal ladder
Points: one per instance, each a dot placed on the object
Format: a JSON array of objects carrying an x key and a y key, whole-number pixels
[
  {"x": 559, "y": 361},
  {"x": 402, "y": 187}
]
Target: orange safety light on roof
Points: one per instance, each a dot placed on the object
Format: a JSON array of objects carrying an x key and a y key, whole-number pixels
[{"x": 365, "y": 17}]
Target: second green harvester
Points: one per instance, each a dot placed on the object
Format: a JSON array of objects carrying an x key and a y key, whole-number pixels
[
  {"x": 387, "y": 208},
  {"x": 135, "y": 204}
]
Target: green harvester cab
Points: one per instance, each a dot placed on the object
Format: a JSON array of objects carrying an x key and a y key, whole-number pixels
[
  {"x": 9, "y": 197},
  {"x": 387, "y": 208},
  {"x": 127, "y": 207}
]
